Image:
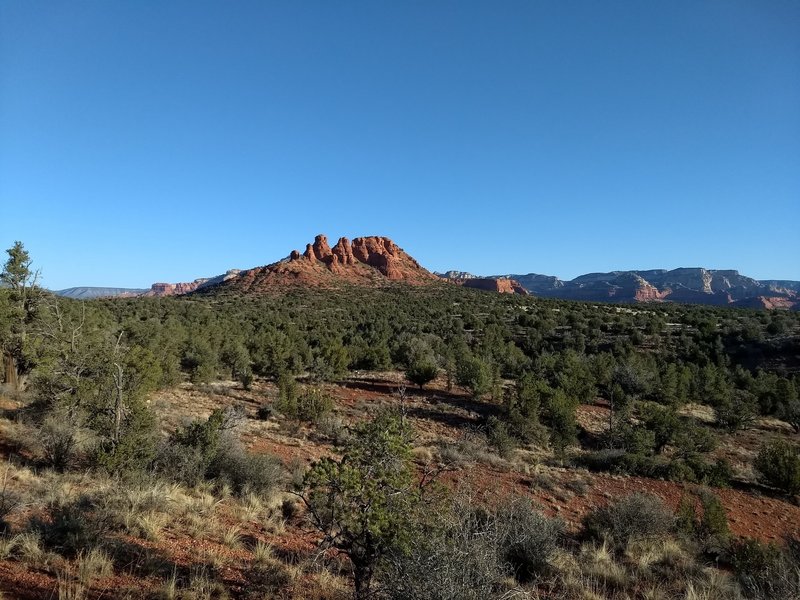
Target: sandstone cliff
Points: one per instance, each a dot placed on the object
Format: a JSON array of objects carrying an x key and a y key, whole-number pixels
[
  {"x": 371, "y": 261},
  {"x": 502, "y": 286},
  {"x": 179, "y": 289},
  {"x": 690, "y": 285}
]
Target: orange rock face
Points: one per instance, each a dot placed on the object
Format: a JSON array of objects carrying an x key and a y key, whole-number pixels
[
  {"x": 321, "y": 249},
  {"x": 502, "y": 286},
  {"x": 649, "y": 293},
  {"x": 369, "y": 261},
  {"x": 343, "y": 250},
  {"x": 173, "y": 289}
]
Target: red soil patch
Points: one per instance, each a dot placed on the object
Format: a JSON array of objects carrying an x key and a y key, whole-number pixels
[{"x": 761, "y": 517}]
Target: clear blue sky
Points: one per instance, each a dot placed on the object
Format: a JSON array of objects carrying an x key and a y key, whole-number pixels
[{"x": 146, "y": 141}]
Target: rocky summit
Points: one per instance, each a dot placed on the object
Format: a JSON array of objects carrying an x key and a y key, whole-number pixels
[{"x": 371, "y": 261}]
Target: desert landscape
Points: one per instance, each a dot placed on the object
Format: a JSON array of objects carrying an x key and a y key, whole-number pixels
[{"x": 344, "y": 423}]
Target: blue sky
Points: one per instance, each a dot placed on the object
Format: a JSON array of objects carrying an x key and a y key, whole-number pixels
[{"x": 164, "y": 141}]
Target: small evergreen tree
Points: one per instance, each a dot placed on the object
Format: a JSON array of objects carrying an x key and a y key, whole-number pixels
[
  {"x": 363, "y": 503},
  {"x": 423, "y": 370}
]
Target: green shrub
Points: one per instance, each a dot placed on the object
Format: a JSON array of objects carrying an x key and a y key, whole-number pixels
[
  {"x": 527, "y": 539},
  {"x": 423, "y": 370},
  {"x": 243, "y": 470},
  {"x": 246, "y": 379},
  {"x": 264, "y": 412},
  {"x": 499, "y": 437},
  {"x": 474, "y": 374},
  {"x": 204, "y": 435},
  {"x": 287, "y": 395},
  {"x": 635, "y": 517},
  {"x": 779, "y": 464},
  {"x": 60, "y": 438},
  {"x": 72, "y": 527},
  {"x": 691, "y": 440},
  {"x": 737, "y": 411},
  {"x": 452, "y": 557},
  {"x": 631, "y": 438},
  {"x": 607, "y": 459},
  {"x": 686, "y": 521},
  {"x": 664, "y": 423},
  {"x": 560, "y": 413},
  {"x": 309, "y": 405},
  {"x": 765, "y": 571},
  {"x": 363, "y": 504},
  {"x": 181, "y": 463},
  {"x": 716, "y": 474},
  {"x": 678, "y": 470},
  {"x": 313, "y": 404},
  {"x": 712, "y": 529}
]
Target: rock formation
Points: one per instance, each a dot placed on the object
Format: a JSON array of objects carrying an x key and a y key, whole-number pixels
[
  {"x": 690, "y": 285},
  {"x": 179, "y": 289},
  {"x": 500, "y": 285},
  {"x": 371, "y": 261}
]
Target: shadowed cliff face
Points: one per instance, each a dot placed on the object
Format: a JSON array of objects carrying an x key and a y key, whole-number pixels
[{"x": 500, "y": 285}]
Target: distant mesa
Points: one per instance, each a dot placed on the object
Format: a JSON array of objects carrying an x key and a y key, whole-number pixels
[
  {"x": 502, "y": 285},
  {"x": 179, "y": 289},
  {"x": 457, "y": 275},
  {"x": 156, "y": 290},
  {"x": 90, "y": 293},
  {"x": 689, "y": 285}
]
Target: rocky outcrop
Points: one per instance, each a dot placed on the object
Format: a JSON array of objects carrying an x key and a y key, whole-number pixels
[
  {"x": 173, "y": 289},
  {"x": 321, "y": 249},
  {"x": 343, "y": 251},
  {"x": 769, "y": 302},
  {"x": 536, "y": 284},
  {"x": 690, "y": 285},
  {"x": 381, "y": 253},
  {"x": 179, "y": 289},
  {"x": 502, "y": 285},
  {"x": 457, "y": 275},
  {"x": 371, "y": 261},
  {"x": 782, "y": 286}
]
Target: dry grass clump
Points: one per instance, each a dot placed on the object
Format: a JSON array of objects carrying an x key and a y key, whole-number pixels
[
  {"x": 69, "y": 588},
  {"x": 147, "y": 526},
  {"x": 262, "y": 552},
  {"x": 8, "y": 544},
  {"x": 321, "y": 584},
  {"x": 29, "y": 547},
  {"x": 198, "y": 526},
  {"x": 232, "y": 537},
  {"x": 652, "y": 570},
  {"x": 92, "y": 565},
  {"x": 470, "y": 450},
  {"x": 202, "y": 586},
  {"x": 250, "y": 508},
  {"x": 169, "y": 589}
]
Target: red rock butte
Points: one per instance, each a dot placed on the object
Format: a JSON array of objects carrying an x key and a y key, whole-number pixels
[
  {"x": 370, "y": 261},
  {"x": 499, "y": 285}
]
